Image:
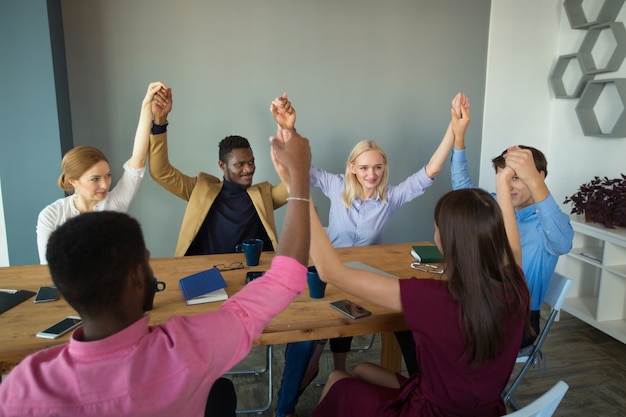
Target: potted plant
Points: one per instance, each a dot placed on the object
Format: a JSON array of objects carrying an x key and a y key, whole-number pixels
[{"x": 601, "y": 200}]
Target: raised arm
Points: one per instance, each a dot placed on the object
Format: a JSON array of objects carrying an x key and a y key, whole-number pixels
[
  {"x": 291, "y": 156},
  {"x": 459, "y": 103},
  {"x": 156, "y": 91},
  {"x": 457, "y": 127},
  {"x": 503, "y": 178},
  {"x": 284, "y": 113},
  {"x": 369, "y": 286}
]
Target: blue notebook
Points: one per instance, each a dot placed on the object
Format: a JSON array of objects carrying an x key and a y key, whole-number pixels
[{"x": 203, "y": 287}]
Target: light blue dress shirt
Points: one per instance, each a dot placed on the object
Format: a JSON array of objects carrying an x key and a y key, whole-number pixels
[
  {"x": 545, "y": 233},
  {"x": 365, "y": 221}
]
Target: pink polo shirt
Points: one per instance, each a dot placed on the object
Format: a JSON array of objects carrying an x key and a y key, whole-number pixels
[{"x": 144, "y": 370}]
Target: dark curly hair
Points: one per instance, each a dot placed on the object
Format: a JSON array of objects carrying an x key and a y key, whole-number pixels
[
  {"x": 229, "y": 143},
  {"x": 90, "y": 257}
]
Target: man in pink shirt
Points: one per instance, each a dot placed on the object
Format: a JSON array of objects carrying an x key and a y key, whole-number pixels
[{"x": 116, "y": 364}]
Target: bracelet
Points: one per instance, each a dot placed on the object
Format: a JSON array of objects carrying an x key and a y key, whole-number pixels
[{"x": 298, "y": 199}]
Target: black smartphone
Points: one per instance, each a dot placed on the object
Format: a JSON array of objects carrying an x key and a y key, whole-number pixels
[
  {"x": 252, "y": 275},
  {"x": 45, "y": 294},
  {"x": 350, "y": 309},
  {"x": 60, "y": 328}
]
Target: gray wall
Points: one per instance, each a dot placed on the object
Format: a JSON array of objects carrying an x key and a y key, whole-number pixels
[
  {"x": 354, "y": 69},
  {"x": 34, "y": 116}
]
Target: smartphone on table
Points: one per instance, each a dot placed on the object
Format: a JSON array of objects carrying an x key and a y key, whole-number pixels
[
  {"x": 47, "y": 293},
  {"x": 60, "y": 328},
  {"x": 350, "y": 309},
  {"x": 252, "y": 275}
]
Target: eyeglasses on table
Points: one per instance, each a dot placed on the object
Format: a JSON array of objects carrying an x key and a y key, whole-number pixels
[
  {"x": 234, "y": 265},
  {"x": 431, "y": 269}
]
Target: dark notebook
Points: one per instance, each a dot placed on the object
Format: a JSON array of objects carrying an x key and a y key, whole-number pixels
[
  {"x": 8, "y": 300},
  {"x": 426, "y": 254}
]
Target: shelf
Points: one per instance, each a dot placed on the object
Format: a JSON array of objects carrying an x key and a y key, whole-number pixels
[
  {"x": 587, "y": 115},
  {"x": 571, "y": 65},
  {"x": 598, "y": 293},
  {"x": 589, "y": 255},
  {"x": 616, "y": 236},
  {"x": 582, "y": 307},
  {"x": 617, "y": 270},
  {"x": 578, "y": 19},
  {"x": 585, "y": 52},
  {"x": 614, "y": 328}
]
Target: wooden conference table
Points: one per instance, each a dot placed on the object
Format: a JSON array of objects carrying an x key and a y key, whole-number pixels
[{"x": 304, "y": 319}]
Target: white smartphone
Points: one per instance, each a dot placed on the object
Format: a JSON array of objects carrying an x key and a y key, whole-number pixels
[
  {"x": 45, "y": 294},
  {"x": 350, "y": 309},
  {"x": 60, "y": 328}
]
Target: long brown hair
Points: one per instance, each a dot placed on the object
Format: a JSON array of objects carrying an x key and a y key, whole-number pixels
[
  {"x": 482, "y": 274},
  {"x": 75, "y": 162}
]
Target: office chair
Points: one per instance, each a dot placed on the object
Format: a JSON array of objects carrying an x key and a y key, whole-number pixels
[
  {"x": 555, "y": 296},
  {"x": 545, "y": 405},
  {"x": 257, "y": 372}
]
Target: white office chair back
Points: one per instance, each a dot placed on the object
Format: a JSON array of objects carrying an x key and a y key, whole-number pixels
[
  {"x": 545, "y": 405},
  {"x": 557, "y": 291}
]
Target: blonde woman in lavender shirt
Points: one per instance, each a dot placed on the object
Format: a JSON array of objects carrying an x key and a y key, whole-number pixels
[{"x": 361, "y": 204}]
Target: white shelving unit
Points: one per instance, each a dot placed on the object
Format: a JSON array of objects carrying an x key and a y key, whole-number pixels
[{"x": 597, "y": 265}]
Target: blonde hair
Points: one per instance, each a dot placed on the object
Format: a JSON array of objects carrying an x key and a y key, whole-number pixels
[
  {"x": 352, "y": 186},
  {"x": 75, "y": 162}
]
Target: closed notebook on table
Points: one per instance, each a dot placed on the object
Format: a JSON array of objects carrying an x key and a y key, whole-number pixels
[
  {"x": 11, "y": 298},
  {"x": 426, "y": 254},
  {"x": 203, "y": 287}
]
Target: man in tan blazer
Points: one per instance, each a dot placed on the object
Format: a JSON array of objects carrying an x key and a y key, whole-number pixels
[{"x": 220, "y": 213}]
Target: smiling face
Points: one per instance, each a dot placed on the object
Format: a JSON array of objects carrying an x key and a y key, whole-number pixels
[
  {"x": 239, "y": 167},
  {"x": 368, "y": 169},
  {"x": 93, "y": 185}
]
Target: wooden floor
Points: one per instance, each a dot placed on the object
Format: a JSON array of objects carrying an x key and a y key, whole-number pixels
[{"x": 590, "y": 362}]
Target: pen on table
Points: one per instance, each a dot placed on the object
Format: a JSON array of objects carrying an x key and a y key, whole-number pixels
[{"x": 8, "y": 291}]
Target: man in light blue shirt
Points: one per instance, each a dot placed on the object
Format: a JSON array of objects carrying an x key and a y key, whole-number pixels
[{"x": 545, "y": 231}]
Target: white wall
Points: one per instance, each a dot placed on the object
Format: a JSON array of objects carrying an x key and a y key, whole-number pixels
[
  {"x": 525, "y": 39},
  {"x": 355, "y": 69}
]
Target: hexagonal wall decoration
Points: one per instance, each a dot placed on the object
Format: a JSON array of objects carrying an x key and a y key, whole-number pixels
[
  {"x": 556, "y": 77},
  {"x": 578, "y": 20},
  {"x": 586, "y": 113},
  {"x": 585, "y": 56}
]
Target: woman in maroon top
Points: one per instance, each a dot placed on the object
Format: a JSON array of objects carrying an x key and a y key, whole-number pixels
[{"x": 467, "y": 323}]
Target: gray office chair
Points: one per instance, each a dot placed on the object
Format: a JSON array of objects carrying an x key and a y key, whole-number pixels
[
  {"x": 545, "y": 405},
  {"x": 267, "y": 368},
  {"x": 555, "y": 296}
]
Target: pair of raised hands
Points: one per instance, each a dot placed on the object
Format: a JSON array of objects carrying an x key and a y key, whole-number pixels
[{"x": 291, "y": 156}]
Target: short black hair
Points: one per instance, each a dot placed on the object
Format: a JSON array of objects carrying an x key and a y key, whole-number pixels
[
  {"x": 541, "y": 163},
  {"x": 229, "y": 143},
  {"x": 90, "y": 257}
]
